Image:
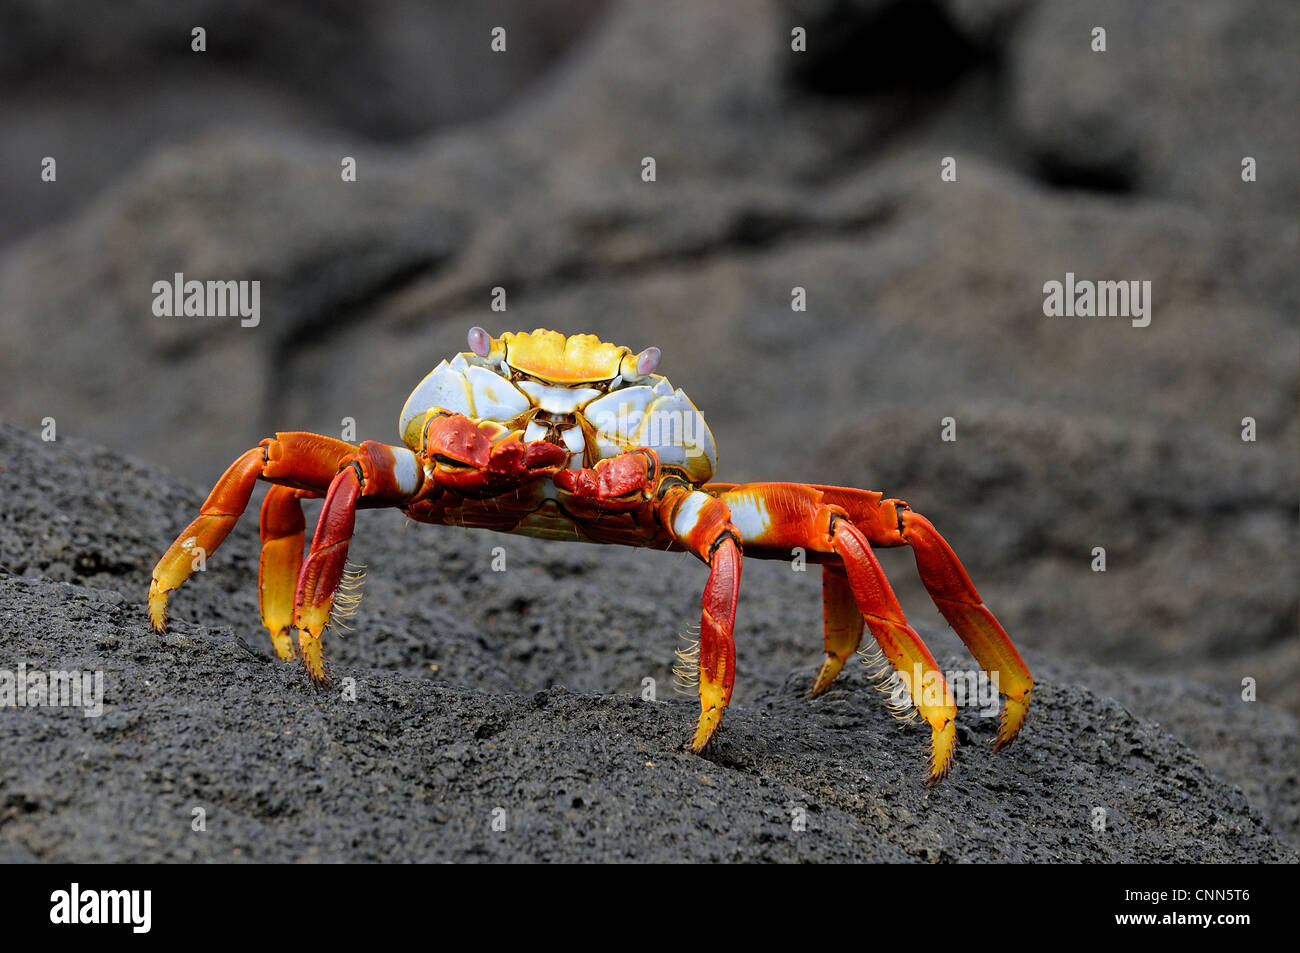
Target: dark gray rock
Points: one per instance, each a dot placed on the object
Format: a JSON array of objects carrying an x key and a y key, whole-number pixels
[
  {"x": 101, "y": 88},
  {"x": 1180, "y": 96}
]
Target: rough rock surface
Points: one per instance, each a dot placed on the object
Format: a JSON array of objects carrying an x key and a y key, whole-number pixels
[{"x": 477, "y": 690}]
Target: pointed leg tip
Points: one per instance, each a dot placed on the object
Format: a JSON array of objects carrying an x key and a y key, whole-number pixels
[
  {"x": 822, "y": 682},
  {"x": 1004, "y": 739},
  {"x": 313, "y": 658},
  {"x": 830, "y": 670},
  {"x": 1014, "y": 714},
  {"x": 943, "y": 744},
  {"x": 157, "y": 608},
  {"x": 940, "y": 765},
  {"x": 318, "y": 679},
  {"x": 706, "y": 730},
  {"x": 283, "y": 645}
]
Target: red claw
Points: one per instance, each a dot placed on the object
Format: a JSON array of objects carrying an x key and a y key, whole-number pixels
[
  {"x": 609, "y": 479},
  {"x": 460, "y": 439},
  {"x": 541, "y": 455}
]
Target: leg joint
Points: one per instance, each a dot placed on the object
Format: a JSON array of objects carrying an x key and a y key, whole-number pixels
[
  {"x": 832, "y": 516},
  {"x": 727, "y": 534},
  {"x": 385, "y": 474}
]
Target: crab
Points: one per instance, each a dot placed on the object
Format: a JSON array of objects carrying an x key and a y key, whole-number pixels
[{"x": 573, "y": 438}]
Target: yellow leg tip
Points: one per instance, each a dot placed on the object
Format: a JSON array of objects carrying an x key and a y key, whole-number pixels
[
  {"x": 830, "y": 670},
  {"x": 1014, "y": 713},
  {"x": 283, "y": 643},
  {"x": 313, "y": 659},
  {"x": 943, "y": 742},
  {"x": 157, "y": 607},
  {"x": 706, "y": 729}
]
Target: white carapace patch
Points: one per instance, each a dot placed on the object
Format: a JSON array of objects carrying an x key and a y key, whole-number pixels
[
  {"x": 688, "y": 513},
  {"x": 406, "y": 470},
  {"x": 749, "y": 515},
  {"x": 657, "y": 417},
  {"x": 463, "y": 388},
  {"x": 574, "y": 440},
  {"x": 558, "y": 400},
  {"x": 651, "y": 414},
  {"x": 534, "y": 431}
]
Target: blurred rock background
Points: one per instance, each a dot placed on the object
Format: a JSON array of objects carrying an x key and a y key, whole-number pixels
[{"x": 775, "y": 169}]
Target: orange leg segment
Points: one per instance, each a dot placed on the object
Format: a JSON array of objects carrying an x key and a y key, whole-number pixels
[
  {"x": 703, "y": 525},
  {"x": 778, "y": 517},
  {"x": 700, "y": 523},
  {"x": 283, "y": 530},
  {"x": 302, "y": 460},
  {"x": 376, "y": 475},
  {"x": 888, "y": 522},
  {"x": 843, "y": 625},
  {"x": 952, "y": 591},
  {"x": 322, "y": 571},
  {"x": 898, "y": 640}
]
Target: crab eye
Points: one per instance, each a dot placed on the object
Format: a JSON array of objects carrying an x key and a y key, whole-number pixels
[
  {"x": 480, "y": 342},
  {"x": 647, "y": 362}
]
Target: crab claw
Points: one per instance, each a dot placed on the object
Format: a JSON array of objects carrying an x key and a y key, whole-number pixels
[
  {"x": 477, "y": 458},
  {"x": 625, "y": 477},
  {"x": 542, "y": 455}
]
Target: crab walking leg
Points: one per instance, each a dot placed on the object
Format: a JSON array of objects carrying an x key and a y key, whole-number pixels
[
  {"x": 376, "y": 475},
  {"x": 318, "y": 579},
  {"x": 893, "y": 523},
  {"x": 703, "y": 525},
  {"x": 283, "y": 531},
  {"x": 952, "y": 591},
  {"x": 304, "y": 460},
  {"x": 217, "y": 517},
  {"x": 843, "y": 625},
  {"x": 898, "y": 640},
  {"x": 700, "y": 523},
  {"x": 775, "y": 517}
]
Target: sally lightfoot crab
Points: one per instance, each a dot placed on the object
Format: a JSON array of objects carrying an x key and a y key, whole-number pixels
[{"x": 573, "y": 438}]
